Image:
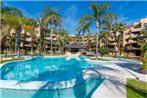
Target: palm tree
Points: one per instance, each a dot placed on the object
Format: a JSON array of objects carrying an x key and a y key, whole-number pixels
[
  {"x": 89, "y": 36},
  {"x": 31, "y": 30},
  {"x": 122, "y": 28},
  {"x": 142, "y": 41},
  {"x": 77, "y": 38},
  {"x": 103, "y": 36},
  {"x": 62, "y": 39},
  {"x": 114, "y": 30},
  {"x": 100, "y": 16},
  {"x": 41, "y": 40},
  {"x": 50, "y": 17},
  {"x": 83, "y": 28},
  {"x": 14, "y": 19},
  {"x": 119, "y": 27}
]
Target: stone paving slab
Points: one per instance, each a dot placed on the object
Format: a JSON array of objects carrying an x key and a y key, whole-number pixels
[{"x": 114, "y": 85}]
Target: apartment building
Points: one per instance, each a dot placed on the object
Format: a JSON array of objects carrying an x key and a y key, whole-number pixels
[
  {"x": 27, "y": 42},
  {"x": 130, "y": 38},
  {"x": 90, "y": 43},
  {"x": 47, "y": 41},
  {"x": 113, "y": 46}
]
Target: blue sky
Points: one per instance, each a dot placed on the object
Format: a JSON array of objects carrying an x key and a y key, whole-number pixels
[{"x": 71, "y": 11}]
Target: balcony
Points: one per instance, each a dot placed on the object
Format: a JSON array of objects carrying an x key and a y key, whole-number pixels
[
  {"x": 127, "y": 36},
  {"x": 111, "y": 39},
  {"x": 132, "y": 48},
  {"x": 136, "y": 29},
  {"x": 133, "y": 41},
  {"x": 27, "y": 45},
  {"x": 28, "y": 39},
  {"x": 48, "y": 38},
  {"x": 134, "y": 35},
  {"x": 112, "y": 44}
]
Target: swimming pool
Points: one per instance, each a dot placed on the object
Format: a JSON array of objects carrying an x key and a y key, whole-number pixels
[
  {"x": 48, "y": 73},
  {"x": 45, "y": 69}
]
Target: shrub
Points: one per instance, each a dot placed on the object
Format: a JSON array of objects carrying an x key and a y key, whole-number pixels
[
  {"x": 103, "y": 51},
  {"x": 144, "y": 66}
]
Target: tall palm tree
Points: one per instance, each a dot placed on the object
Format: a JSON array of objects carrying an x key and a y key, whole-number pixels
[
  {"x": 14, "y": 19},
  {"x": 119, "y": 27},
  {"x": 114, "y": 30},
  {"x": 100, "y": 16},
  {"x": 89, "y": 36},
  {"x": 84, "y": 26},
  {"x": 50, "y": 17},
  {"x": 31, "y": 30},
  {"x": 103, "y": 36},
  {"x": 142, "y": 41},
  {"x": 44, "y": 32},
  {"x": 62, "y": 39},
  {"x": 122, "y": 28}
]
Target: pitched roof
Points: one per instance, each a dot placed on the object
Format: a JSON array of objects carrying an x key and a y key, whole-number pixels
[{"x": 75, "y": 45}]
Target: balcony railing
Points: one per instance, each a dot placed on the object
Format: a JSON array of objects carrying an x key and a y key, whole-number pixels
[
  {"x": 112, "y": 44},
  {"x": 132, "y": 48},
  {"x": 134, "y": 35}
]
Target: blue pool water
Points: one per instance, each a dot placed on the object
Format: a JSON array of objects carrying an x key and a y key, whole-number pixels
[
  {"x": 51, "y": 70},
  {"x": 45, "y": 69},
  {"x": 83, "y": 90}
]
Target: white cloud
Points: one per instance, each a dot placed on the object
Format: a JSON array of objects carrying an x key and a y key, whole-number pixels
[
  {"x": 69, "y": 20},
  {"x": 25, "y": 13},
  {"x": 71, "y": 10},
  {"x": 130, "y": 22},
  {"x": 122, "y": 18}
]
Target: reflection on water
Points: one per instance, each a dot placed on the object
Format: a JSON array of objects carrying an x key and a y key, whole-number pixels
[
  {"x": 82, "y": 90},
  {"x": 48, "y": 68}
]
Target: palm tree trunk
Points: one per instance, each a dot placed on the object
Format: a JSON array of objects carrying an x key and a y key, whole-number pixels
[
  {"x": 7, "y": 51},
  {"x": 119, "y": 47},
  {"x": 97, "y": 44},
  {"x": 18, "y": 42},
  {"x": 89, "y": 48},
  {"x": 41, "y": 42},
  {"x": 83, "y": 38},
  {"x": 15, "y": 45},
  {"x": 63, "y": 46},
  {"x": 97, "y": 39},
  {"x": 105, "y": 43},
  {"x": 51, "y": 39},
  {"x": 32, "y": 49}
]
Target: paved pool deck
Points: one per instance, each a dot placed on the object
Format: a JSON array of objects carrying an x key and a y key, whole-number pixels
[{"x": 114, "y": 85}]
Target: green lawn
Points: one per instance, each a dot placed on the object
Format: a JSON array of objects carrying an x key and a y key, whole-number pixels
[
  {"x": 4, "y": 61},
  {"x": 136, "y": 88},
  {"x": 101, "y": 59}
]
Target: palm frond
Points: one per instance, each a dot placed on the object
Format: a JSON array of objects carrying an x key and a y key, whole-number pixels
[{"x": 85, "y": 18}]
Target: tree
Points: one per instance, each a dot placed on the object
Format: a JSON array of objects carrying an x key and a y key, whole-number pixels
[
  {"x": 142, "y": 41},
  {"x": 14, "y": 19},
  {"x": 89, "y": 36},
  {"x": 120, "y": 28},
  {"x": 31, "y": 30},
  {"x": 83, "y": 27},
  {"x": 103, "y": 51},
  {"x": 103, "y": 36},
  {"x": 45, "y": 31},
  {"x": 62, "y": 39},
  {"x": 100, "y": 17},
  {"x": 50, "y": 17}
]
